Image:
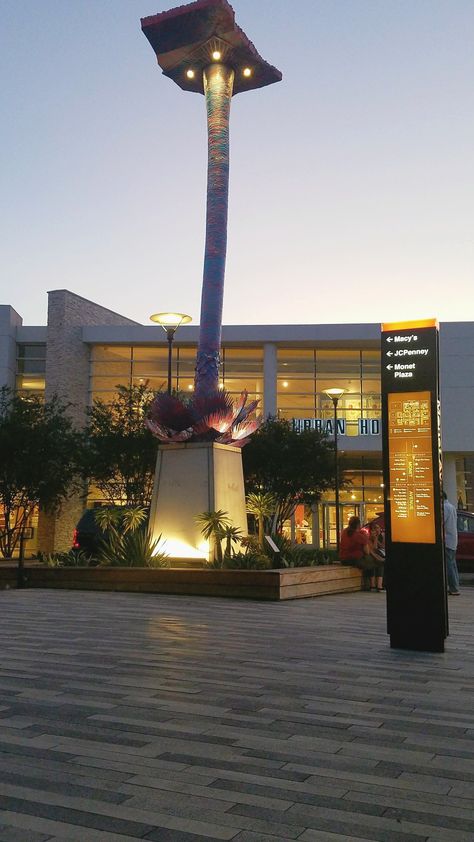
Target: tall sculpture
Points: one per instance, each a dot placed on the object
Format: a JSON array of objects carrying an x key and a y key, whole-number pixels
[{"x": 200, "y": 47}]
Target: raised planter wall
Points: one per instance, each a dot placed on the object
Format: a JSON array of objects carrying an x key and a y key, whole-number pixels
[{"x": 243, "y": 584}]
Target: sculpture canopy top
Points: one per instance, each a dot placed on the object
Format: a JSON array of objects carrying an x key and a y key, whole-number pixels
[{"x": 188, "y": 38}]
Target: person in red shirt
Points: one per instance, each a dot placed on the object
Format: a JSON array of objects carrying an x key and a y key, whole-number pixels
[{"x": 354, "y": 550}]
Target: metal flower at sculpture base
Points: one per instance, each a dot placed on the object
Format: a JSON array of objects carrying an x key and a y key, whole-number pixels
[{"x": 213, "y": 417}]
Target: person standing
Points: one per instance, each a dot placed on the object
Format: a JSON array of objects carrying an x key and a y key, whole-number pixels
[{"x": 450, "y": 545}]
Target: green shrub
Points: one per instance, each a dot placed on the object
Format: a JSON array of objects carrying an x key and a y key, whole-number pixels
[
  {"x": 135, "y": 548},
  {"x": 326, "y": 556},
  {"x": 73, "y": 558},
  {"x": 246, "y": 561},
  {"x": 127, "y": 540},
  {"x": 298, "y": 555}
]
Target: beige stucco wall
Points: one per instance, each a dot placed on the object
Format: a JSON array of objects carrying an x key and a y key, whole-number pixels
[{"x": 191, "y": 479}]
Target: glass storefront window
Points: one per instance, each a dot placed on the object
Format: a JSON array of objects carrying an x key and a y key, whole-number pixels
[
  {"x": 186, "y": 363},
  {"x": 31, "y": 369},
  {"x": 113, "y": 353},
  {"x": 241, "y": 368},
  {"x": 119, "y": 370},
  {"x": 296, "y": 402},
  {"x": 464, "y": 482},
  {"x": 302, "y": 396},
  {"x": 28, "y": 352},
  {"x": 30, "y": 385},
  {"x": 296, "y": 361},
  {"x": 242, "y": 360},
  {"x": 341, "y": 363},
  {"x": 151, "y": 368},
  {"x": 294, "y": 386},
  {"x": 371, "y": 363},
  {"x": 28, "y": 366}
]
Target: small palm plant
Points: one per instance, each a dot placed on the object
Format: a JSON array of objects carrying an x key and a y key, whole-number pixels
[
  {"x": 212, "y": 526},
  {"x": 119, "y": 519},
  {"x": 261, "y": 505},
  {"x": 231, "y": 535}
]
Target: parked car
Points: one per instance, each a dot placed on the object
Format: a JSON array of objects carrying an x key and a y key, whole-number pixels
[
  {"x": 87, "y": 533},
  {"x": 465, "y": 551}
]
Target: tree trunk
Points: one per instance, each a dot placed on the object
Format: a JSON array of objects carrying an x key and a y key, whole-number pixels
[{"x": 218, "y": 85}]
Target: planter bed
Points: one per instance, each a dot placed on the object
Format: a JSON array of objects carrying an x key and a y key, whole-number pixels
[{"x": 295, "y": 583}]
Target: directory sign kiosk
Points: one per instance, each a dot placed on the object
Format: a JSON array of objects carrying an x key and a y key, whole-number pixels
[{"x": 414, "y": 571}]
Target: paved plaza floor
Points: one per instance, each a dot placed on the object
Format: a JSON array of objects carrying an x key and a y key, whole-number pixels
[{"x": 126, "y": 716}]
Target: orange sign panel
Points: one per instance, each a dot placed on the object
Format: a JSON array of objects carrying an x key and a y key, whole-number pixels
[{"x": 411, "y": 468}]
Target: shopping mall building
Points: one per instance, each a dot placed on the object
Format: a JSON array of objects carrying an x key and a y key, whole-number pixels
[{"x": 85, "y": 351}]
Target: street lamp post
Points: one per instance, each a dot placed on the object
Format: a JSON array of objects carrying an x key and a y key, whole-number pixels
[
  {"x": 335, "y": 394},
  {"x": 170, "y": 322}
]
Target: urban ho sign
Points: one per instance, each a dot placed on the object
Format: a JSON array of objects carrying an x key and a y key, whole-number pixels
[{"x": 366, "y": 426}]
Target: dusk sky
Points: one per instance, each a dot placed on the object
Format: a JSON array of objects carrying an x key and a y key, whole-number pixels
[{"x": 352, "y": 180}]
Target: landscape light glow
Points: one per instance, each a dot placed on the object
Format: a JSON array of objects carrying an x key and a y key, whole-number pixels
[{"x": 175, "y": 548}]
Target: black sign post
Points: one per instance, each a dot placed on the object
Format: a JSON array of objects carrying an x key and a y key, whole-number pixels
[{"x": 417, "y": 616}]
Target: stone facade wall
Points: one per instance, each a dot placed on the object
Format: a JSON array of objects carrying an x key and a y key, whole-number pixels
[
  {"x": 9, "y": 321},
  {"x": 67, "y": 375}
]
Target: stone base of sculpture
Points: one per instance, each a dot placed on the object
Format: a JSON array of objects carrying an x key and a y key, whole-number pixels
[{"x": 191, "y": 479}]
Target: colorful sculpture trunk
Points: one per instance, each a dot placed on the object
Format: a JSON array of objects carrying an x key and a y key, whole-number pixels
[
  {"x": 218, "y": 85},
  {"x": 202, "y": 49}
]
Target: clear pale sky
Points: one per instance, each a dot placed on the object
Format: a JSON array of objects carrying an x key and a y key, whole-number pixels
[{"x": 352, "y": 183}]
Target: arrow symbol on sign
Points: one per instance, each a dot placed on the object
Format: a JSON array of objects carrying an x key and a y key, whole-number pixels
[
  {"x": 389, "y": 354},
  {"x": 389, "y": 338},
  {"x": 389, "y": 367}
]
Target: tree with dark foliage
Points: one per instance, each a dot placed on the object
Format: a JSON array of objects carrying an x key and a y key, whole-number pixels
[
  {"x": 119, "y": 452},
  {"x": 38, "y": 461},
  {"x": 294, "y": 467}
]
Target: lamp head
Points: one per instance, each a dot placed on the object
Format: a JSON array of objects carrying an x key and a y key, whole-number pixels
[
  {"x": 170, "y": 319},
  {"x": 190, "y": 37},
  {"x": 170, "y": 322},
  {"x": 335, "y": 394}
]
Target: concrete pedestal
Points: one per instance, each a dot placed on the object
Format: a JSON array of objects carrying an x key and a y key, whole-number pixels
[{"x": 191, "y": 479}]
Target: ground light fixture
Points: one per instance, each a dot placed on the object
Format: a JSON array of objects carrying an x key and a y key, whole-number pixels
[
  {"x": 170, "y": 322},
  {"x": 335, "y": 394}
]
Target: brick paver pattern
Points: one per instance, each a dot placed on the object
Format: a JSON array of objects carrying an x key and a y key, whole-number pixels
[{"x": 128, "y": 716}]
